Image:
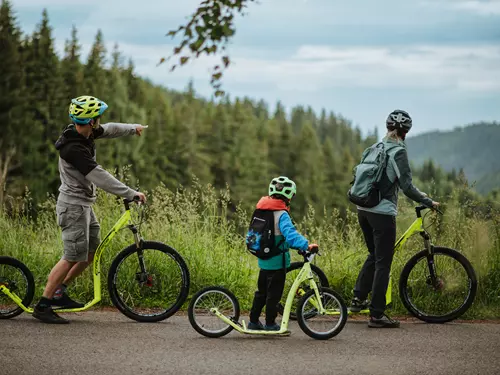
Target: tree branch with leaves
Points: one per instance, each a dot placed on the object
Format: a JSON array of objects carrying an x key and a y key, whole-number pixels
[{"x": 208, "y": 32}]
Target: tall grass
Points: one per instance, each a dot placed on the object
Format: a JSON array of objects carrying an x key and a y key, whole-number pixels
[{"x": 195, "y": 222}]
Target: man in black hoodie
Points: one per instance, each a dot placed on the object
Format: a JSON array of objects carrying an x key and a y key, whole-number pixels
[{"x": 80, "y": 174}]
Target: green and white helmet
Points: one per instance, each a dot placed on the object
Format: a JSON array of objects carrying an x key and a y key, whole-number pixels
[{"x": 282, "y": 186}]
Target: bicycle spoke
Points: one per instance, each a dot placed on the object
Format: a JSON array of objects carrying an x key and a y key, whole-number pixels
[
  {"x": 152, "y": 292},
  {"x": 322, "y": 323},
  {"x": 443, "y": 294},
  {"x": 13, "y": 279},
  {"x": 206, "y": 322}
]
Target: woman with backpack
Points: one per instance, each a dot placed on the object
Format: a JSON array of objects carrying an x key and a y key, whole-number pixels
[{"x": 383, "y": 171}]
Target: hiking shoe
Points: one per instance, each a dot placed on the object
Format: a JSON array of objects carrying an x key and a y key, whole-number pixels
[
  {"x": 255, "y": 326},
  {"x": 65, "y": 302},
  {"x": 272, "y": 327},
  {"x": 46, "y": 315},
  {"x": 383, "y": 322},
  {"x": 358, "y": 305}
]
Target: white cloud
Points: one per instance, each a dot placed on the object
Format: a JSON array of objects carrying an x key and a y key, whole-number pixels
[
  {"x": 481, "y": 7},
  {"x": 321, "y": 68},
  {"x": 316, "y": 68}
]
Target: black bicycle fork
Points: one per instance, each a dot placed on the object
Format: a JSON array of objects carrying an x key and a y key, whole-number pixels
[
  {"x": 432, "y": 279},
  {"x": 141, "y": 277}
]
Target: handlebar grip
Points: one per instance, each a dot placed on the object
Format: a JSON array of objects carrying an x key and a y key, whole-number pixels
[{"x": 315, "y": 250}]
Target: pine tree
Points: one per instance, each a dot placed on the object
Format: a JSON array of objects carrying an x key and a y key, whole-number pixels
[
  {"x": 71, "y": 68},
  {"x": 308, "y": 168},
  {"x": 333, "y": 179},
  {"x": 248, "y": 155},
  {"x": 220, "y": 146},
  {"x": 94, "y": 74},
  {"x": 136, "y": 90},
  {"x": 280, "y": 147},
  {"x": 45, "y": 114},
  {"x": 298, "y": 118},
  {"x": 11, "y": 96}
]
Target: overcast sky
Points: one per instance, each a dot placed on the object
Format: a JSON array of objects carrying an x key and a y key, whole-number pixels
[{"x": 437, "y": 59}]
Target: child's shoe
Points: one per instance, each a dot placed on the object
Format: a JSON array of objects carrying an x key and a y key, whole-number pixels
[{"x": 358, "y": 305}]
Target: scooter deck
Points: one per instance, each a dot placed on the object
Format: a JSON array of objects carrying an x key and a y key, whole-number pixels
[{"x": 266, "y": 333}]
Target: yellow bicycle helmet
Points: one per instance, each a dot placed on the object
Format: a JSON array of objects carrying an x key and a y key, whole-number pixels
[{"x": 85, "y": 108}]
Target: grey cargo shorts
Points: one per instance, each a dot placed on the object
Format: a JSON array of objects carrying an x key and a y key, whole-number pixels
[{"x": 80, "y": 231}]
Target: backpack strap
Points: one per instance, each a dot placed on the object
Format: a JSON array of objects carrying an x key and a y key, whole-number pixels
[
  {"x": 277, "y": 231},
  {"x": 277, "y": 216},
  {"x": 390, "y": 152}
]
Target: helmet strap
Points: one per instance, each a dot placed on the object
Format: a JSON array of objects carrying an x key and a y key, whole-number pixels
[{"x": 95, "y": 122}]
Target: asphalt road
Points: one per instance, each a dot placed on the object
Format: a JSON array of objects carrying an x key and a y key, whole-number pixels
[{"x": 109, "y": 343}]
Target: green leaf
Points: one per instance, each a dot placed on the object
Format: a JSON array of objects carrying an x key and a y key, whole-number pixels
[
  {"x": 217, "y": 33},
  {"x": 227, "y": 30},
  {"x": 226, "y": 61},
  {"x": 197, "y": 45},
  {"x": 200, "y": 30},
  {"x": 184, "y": 59},
  {"x": 216, "y": 76},
  {"x": 219, "y": 93}
]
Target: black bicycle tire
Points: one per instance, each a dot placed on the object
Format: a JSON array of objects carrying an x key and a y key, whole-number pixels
[
  {"x": 301, "y": 319},
  {"x": 403, "y": 286},
  {"x": 149, "y": 245},
  {"x": 192, "y": 319},
  {"x": 28, "y": 298},
  {"x": 316, "y": 270}
]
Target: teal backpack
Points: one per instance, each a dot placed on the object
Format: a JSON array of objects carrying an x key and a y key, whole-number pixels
[{"x": 365, "y": 187}]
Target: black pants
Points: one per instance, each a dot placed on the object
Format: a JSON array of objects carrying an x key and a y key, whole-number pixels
[
  {"x": 380, "y": 236},
  {"x": 270, "y": 289}
]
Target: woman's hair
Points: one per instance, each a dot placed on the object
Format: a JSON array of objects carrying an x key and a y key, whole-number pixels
[{"x": 396, "y": 134}]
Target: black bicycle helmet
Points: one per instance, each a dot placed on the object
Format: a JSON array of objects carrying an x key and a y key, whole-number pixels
[{"x": 399, "y": 119}]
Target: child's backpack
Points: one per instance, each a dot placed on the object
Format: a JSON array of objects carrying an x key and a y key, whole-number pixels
[
  {"x": 260, "y": 236},
  {"x": 365, "y": 188}
]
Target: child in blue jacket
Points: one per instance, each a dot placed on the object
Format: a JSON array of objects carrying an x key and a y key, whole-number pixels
[{"x": 272, "y": 272}]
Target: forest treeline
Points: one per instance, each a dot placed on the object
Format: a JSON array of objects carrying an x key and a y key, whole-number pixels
[{"x": 236, "y": 143}]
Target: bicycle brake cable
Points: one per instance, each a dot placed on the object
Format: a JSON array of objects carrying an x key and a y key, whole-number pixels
[
  {"x": 141, "y": 217},
  {"x": 423, "y": 222}
]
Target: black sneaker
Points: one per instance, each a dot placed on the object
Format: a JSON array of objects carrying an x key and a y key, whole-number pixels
[
  {"x": 46, "y": 315},
  {"x": 272, "y": 327},
  {"x": 383, "y": 322},
  {"x": 65, "y": 302},
  {"x": 255, "y": 326},
  {"x": 358, "y": 305}
]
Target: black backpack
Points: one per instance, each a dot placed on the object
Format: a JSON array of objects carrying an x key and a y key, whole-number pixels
[{"x": 260, "y": 236}]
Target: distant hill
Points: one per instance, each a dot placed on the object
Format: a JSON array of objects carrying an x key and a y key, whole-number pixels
[{"x": 475, "y": 148}]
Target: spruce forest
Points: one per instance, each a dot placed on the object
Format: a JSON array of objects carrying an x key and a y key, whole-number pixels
[{"x": 240, "y": 142}]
